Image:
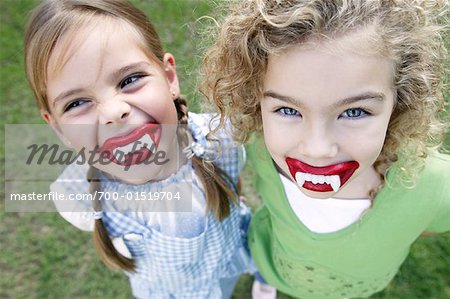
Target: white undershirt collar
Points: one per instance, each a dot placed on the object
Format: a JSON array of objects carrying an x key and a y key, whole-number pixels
[{"x": 323, "y": 216}]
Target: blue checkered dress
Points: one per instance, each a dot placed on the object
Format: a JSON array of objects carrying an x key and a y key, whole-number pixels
[{"x": 182, "y": 264}]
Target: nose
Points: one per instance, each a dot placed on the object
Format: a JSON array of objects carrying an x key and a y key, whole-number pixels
[
  {"x": 114, "y": 112},
  {"x": 318, "y": 142}
]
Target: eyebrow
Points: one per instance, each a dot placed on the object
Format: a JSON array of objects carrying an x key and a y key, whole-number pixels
[
  {"x": 379, "y": 96},
  {"x": 126, "y": 69},
  {"x": 66, "y": 94},
  {"x": 116, "y": 74}
]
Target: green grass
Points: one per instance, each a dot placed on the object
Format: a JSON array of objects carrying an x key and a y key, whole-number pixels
[{"x": 42, "y": 256}]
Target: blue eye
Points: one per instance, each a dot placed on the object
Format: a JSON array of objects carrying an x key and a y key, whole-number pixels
[
  {"x": 286, "y": 111},
  {"x": 354, "y": 113},
  {"x": 75, "y": 104},
  {"x": 130, "y": 80}
]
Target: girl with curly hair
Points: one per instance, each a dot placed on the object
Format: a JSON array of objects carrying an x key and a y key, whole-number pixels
[{"x": 347, "y": 95}]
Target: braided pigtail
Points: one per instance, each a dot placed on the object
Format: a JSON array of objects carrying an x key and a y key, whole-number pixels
[
  {"x": 103, "y": 244},
  {"x": 219, "y": 188}
]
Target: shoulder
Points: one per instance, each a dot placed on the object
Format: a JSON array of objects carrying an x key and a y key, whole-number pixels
[
  {"x": 201, "y": 124},
  {"x": 73, "y": 179},
  {"x": 219, "y": 147},
  {"x": 438, "y": 160},
  {"x": 437, "y": 172},
  {"x": 75, "y": 208},
  {"x": 437, "y": 169},
  {"x": 436, "y": 177}
]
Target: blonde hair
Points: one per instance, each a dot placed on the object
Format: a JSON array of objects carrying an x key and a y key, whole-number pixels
[
  {"x": 408, "y": 33},
  {"x": 54, "y": 19}
]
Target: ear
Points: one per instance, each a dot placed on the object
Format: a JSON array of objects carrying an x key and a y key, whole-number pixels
[
  {"x": 56, "y": 128},
  {"x": 171, "y": 75}
]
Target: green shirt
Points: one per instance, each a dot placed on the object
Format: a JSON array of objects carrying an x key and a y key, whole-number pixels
[{"x": 356, "y": 261}]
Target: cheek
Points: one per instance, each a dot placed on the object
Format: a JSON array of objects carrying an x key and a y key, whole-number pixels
[
  {"x": 367, "y": 150},
  {"x": 280, "y": 137},
  {"x": 159, "y": 106},
  {"x": 172, "y": 114},
  {"x": 166, "y": 115},
  {"x": 271, "y": 137},
  {"x": 366, "y": 140},
  {"x": 275, "y": 137},
  {"x": 80, "y": 136}
]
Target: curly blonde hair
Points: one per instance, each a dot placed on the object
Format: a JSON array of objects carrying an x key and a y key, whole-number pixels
[{"x": 409, "y": 32}]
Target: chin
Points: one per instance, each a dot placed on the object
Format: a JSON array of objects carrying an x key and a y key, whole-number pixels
[{"x": 317, "y": 194}]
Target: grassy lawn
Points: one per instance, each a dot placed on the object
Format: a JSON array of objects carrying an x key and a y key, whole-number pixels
[{"x": 45, "y": 257}]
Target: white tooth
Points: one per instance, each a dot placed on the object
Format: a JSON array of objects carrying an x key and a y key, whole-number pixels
[
  {"x": 127, "y": 148},
  {"x": 335, "y": 182},
  {"x": 321, "y": 179},
  {"x": 148, "y": 142},
  {"x": 300, "y": 178},
  {"x": 151, "y": 146},
  {"x": 122, "y": 149},
  {"x": 308, "y": 177},
  {"x": 314, "y": 179},
  {"x": 139, "y": 145},
  {"x": 119, "y": 155}
]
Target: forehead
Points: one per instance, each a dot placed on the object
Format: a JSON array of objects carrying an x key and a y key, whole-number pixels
[
  {"x": 327, "y": 70},
  {"x": 366, "y": 41},
  {"x": 99, "y": 30}
]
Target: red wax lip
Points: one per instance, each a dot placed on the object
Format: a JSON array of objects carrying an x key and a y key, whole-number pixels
[
  {"x": 152, "y": 129},
  {"x": 344, "y": 170}
]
